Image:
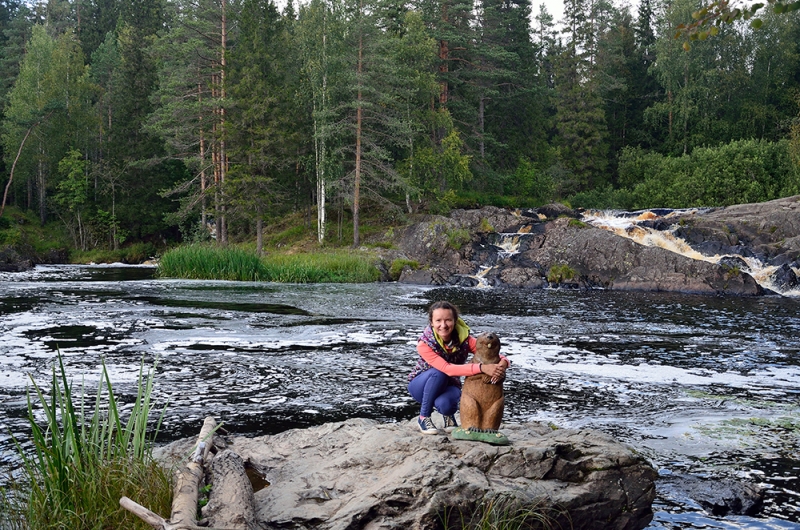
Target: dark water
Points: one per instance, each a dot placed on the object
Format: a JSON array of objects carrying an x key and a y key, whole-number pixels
[{"x": 699, "y": 385}]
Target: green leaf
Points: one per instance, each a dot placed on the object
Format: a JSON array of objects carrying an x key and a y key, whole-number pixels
[
  {"x": 703, "y": 35},
  {"x": 686, "y": 46},
  {"x": 714, "y": 31},
  {"x": 756, "y": 23},
  {"x": 779, "y": 8}
]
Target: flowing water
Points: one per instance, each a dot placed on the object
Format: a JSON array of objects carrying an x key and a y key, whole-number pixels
[{"x": 699, "y": 385}]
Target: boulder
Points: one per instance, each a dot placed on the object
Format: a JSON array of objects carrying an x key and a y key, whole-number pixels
[
  {"x": 719, "y": 496},
  {"x": 362, "y": 474}
]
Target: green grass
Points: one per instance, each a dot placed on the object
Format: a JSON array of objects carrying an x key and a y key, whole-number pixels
[
  {"x": 23, "y": 230},
  {"x": 134, "y": 253},
  {"x": 205, "y": 262},
  {"x": 322, "y": 267},
  {"x": 208, "y": 262},
  {"x": 398, "y": 265},
  {"x": 560, "y": 273},
  {"x": 81, "y": 465}
]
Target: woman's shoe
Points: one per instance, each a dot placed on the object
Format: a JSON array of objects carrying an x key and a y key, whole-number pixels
[
  {"x": 450, "y": 423},
  {"x": 426, "y": 426}
]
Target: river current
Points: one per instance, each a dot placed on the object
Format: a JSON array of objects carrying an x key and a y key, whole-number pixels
[{"x": 699, "y": 385}]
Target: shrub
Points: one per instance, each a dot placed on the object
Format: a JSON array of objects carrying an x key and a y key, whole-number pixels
[
  {"x": 742, "y": 171},
  {"x": 396, "y": 269},
  {"x": 457, "y": 238},
  {"x": 560, "y": 273}
]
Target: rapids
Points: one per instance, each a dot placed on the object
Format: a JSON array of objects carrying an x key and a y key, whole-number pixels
[{"x": 700, "y": 385}]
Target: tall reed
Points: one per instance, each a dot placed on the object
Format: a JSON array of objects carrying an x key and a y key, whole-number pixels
[
  {"x": 81, "y": 465},
  {"x": 321, "y": 267},
  {"x": 212, "y": 263},
  {"x": 205, "y": 262}
]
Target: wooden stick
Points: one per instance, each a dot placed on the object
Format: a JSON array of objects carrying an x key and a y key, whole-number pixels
[
  {"x": 153, "y": 519},
  {"x": 189, "y": 478}
]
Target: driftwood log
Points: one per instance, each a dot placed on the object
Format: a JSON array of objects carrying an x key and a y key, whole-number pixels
[
  {"x": 187, "y": 488},
  {"x": 231, "y": 503}
]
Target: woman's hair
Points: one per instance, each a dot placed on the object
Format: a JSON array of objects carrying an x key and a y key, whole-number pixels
[{"x": 441, "y": 304}]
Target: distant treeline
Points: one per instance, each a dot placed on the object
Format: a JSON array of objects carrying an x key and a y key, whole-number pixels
[{"x": 130, "y": 120}]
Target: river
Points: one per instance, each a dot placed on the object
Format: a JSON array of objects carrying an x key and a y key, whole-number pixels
[{"x": 700, "y": 385}]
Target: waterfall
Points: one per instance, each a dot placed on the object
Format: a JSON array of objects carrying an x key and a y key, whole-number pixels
[{"x": 628, "y": 225}]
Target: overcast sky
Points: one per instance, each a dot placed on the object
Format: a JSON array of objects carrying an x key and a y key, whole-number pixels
[{"x": 554, "y": 7}]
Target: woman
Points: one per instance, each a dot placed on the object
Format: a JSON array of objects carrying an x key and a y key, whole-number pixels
[{"x": 436, "y": 379}]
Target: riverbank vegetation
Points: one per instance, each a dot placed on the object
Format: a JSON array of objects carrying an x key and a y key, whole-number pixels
[
  {"x": 200, "y": 261},
  {"x": 79, "y": 463},
  {"x": 123, "y": 124}
]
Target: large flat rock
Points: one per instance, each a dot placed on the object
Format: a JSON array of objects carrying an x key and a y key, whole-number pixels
[{"x": 362, "y": 474}]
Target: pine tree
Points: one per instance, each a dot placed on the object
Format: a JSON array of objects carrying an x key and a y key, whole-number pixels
[
  {"x": 581, "y": 130},
  {"x": 190, "y": 117},
  {"x": 262, "y": 135}
]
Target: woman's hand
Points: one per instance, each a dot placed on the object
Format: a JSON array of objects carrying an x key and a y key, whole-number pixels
[{"x": 496, "y": 371}]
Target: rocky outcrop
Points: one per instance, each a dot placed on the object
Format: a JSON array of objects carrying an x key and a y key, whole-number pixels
[
  {"x": 362, "y": 474},
  {"x": 589, "y": 257},
  {"x": 769, "y": 231},
  {"x": 717, "y": 495},
  {"x": 23, "y": 258},
  {"x": 553, "y": 247}
]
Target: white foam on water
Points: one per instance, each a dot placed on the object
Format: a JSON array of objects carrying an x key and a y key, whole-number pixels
[{"x": 548, "y": 358}]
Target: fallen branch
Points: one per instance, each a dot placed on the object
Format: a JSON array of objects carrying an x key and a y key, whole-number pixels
[{"x": 187, "y": 489}]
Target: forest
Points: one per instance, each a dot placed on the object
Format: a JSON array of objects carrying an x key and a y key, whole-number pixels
[{"x": 178, "y": 120}]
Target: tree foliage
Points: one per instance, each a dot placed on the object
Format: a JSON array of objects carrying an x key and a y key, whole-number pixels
[{"x": 167, "y": 119}]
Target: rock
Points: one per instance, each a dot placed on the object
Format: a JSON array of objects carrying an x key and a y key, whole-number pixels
[
  {"x": 784, "y": 278},
  {"x": 362, "y": 474},
  {"x": 548, "y": 246},
  {"x": 12, "y": 261},
  {"x": 555, "y": 210},
  {"x": 720, "y": 496}
]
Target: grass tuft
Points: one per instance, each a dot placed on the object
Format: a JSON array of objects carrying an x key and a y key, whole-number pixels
[
  {"x": 81, "y": 465},
  {"x": 506, "y": 512}
]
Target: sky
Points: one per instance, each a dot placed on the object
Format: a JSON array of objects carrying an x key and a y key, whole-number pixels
[{"x": 554, "y": 7}]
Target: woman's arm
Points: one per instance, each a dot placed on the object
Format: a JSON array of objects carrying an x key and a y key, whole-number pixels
[{"x": 438, "y": 362}]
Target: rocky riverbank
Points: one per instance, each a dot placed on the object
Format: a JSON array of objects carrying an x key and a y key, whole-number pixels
[{"x": 556, "y": 246}]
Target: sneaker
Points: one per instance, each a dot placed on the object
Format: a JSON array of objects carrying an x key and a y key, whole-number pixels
[
  {"x": 426, "y": 426},
  {"x": 450, "y": 423}
]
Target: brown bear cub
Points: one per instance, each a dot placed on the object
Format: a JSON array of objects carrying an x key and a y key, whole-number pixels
[{"x": 481, "y": 401}]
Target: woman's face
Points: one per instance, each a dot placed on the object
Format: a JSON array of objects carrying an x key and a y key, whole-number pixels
[{"x": 443, "y": 323}]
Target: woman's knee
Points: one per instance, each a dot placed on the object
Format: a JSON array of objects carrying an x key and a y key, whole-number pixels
[{"x": 447, "y": 402}]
